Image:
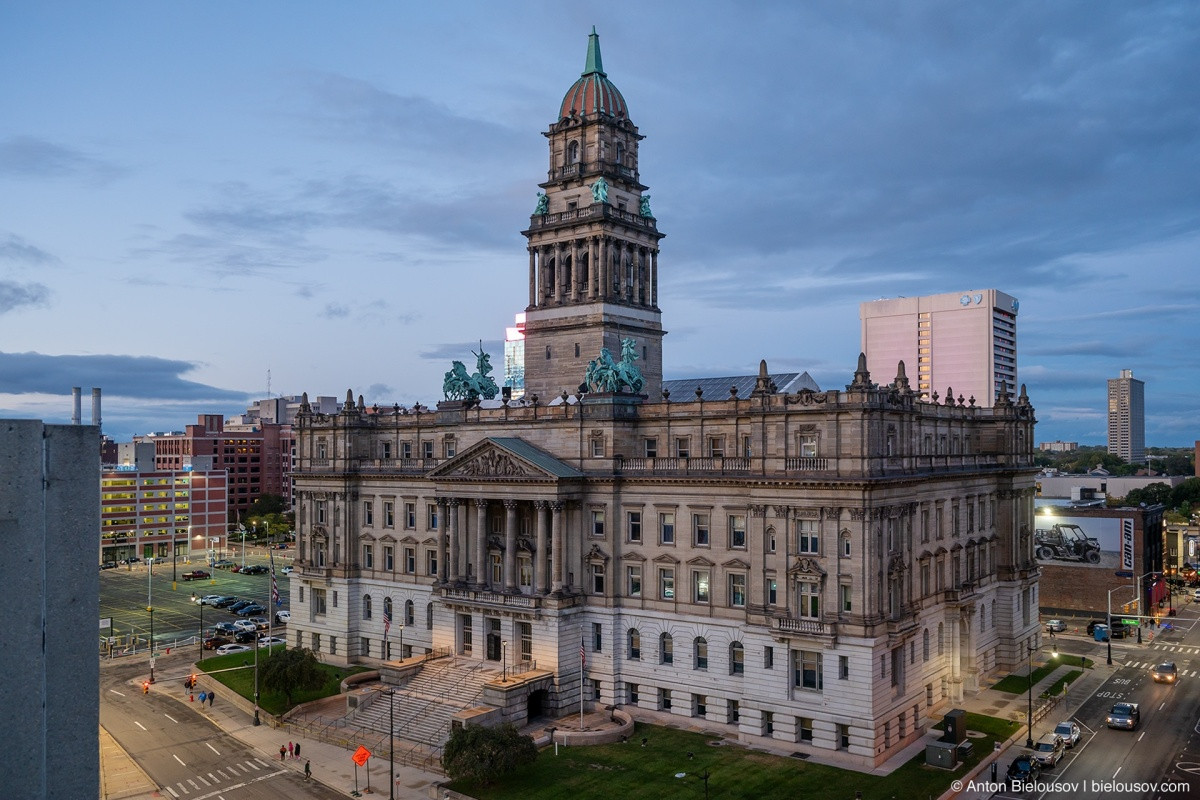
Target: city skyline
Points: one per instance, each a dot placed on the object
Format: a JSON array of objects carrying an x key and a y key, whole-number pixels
[{"x": 197, "y": 195}]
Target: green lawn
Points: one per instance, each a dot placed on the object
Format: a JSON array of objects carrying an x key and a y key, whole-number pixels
[
  {"x": 1056, "y": 688},
  {"x": 1016, "y": 684},
  {"x": 241, "y": 680},
  {"x": 629, "y": 770}
]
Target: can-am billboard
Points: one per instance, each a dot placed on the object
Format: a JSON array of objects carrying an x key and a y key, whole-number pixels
[{"x": 1066, "y": 541}]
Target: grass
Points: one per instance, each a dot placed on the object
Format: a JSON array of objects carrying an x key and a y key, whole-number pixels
[
  {"x": 1057, "y": 687},
  {"x": 239, "y": 678},
  {"x": 628, "y": 770},
  {"x": 1015, "y": 684}
]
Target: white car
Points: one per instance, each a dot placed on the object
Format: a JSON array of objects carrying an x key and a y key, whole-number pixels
[
  {"x": 1069, "y": 732},
  {"x": 208, "y": 599},
  {"x": 226, "y": 649},
  {"x": 284, "y": 616},
  {"x": 287, "y": 570},
  {"x": 245, "y": 625},
  {"x": 1196, "y": 595},
  {"x": 270, "y": 641}
]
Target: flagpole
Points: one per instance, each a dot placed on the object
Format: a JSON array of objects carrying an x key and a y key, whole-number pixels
[{"x": 581, "y": 667}]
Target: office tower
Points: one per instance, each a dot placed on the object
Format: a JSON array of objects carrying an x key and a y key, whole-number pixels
[{"x": 1127, "y": 417}]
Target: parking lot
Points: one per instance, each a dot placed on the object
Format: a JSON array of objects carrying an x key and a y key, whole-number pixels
[{"x": 125, "y": 593}]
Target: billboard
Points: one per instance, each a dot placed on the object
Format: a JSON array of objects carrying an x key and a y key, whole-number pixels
[{"x": 1066, "y": 541}]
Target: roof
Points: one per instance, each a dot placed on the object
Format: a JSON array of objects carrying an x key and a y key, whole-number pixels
[
  {"x": 684, "y": 389},
  {"x": 539, "y": 458},
  {"x": 593, "y": 93}
]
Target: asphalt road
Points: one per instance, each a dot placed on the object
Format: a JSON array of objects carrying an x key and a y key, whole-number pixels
[
  {"x": 1161, "y": 758},
  {"x": 125, "y": 594}
]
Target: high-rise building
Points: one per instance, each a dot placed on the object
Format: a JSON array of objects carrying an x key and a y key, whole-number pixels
[
  {"x": 514, "y": 357},
  {"x": 960, "y": 342},
  {"x": 1127, "y": 417},
  {"x": 763, "y": 558}
]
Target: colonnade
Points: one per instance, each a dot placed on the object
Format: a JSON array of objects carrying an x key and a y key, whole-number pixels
[
  {"x": 555, "y": 272},
  {"x": 463, "y": 545}
]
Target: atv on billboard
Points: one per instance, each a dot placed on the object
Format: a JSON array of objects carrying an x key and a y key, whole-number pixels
[{"x": 1103, "y": 542}]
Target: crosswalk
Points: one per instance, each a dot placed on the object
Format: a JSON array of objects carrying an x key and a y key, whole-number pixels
[
  {"x": 1178, "y": 648},
  {"x": 227, "y": 777},
  {"x": 1183, "y": 673}
]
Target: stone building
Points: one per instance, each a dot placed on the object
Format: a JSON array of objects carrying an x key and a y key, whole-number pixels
[{"x": 828, "y": 568}]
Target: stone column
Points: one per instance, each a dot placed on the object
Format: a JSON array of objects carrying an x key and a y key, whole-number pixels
[
  {"x": 636, "y": 289},
  {"x": 654, "y": 278},
  {"x": 602, "y": 269},
  {"x": 533, "y": 298},
  {"x": 450, "y": 554},
  {"x": 541, "y": 584},
  {"x": 510, "y": 545},
  {"x": 593, "y": 267},
  {"x": 481, "y": 565},
  {"x": 560, "y": 275},
  {"x": 443, "y": 573},
  {"x": 558, "y": 546},
  {"x": 464, "y": 546}
]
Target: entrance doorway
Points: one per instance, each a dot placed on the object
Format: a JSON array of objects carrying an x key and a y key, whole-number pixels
[{"x": 493, "y": 639}]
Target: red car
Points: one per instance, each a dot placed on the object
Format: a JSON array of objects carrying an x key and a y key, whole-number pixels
[
  {"x": 213, "y": 642},
  {"x": 196, "y": 575}
]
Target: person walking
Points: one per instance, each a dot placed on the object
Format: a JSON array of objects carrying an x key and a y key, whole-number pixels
[
  {"x": 291, "y": 747},
  {"x": 211, "y": 696},
  {"x": 307, "y": 771},
  {"x": 297, "y": 750},
  {"x": 282, "y": 752}
]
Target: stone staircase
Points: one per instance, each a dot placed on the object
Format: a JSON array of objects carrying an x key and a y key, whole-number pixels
[{"x": 425, "y": 704}]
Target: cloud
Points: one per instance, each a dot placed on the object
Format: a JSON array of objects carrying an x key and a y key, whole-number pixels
[
  {"x": 461, "y": 351},
  {"x": 33, "y": 157},
  {"x": 335, "y": 311},
  {"x": 118, "y": 375},
  {"x": 18, "y": 295},
  {"x": 17, "y": 249}
]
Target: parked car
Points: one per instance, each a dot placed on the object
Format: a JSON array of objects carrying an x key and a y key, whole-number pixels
[
  {"x": 108, "y": 565},
  {"x": 224, "y": 563},
  {"x": 1124, "y": 715},
  {"x": 1196, "y": 595},
  {"x": 208, "y": 599},
  {"x": 1023, "y": 769},
  {"x": 1164, "y": 672},
  {"x": 1069, "y": 732},
  {"x": 1091, "y": 626},
  {"x": 1048, "y": 750},
  {"x": 244, "y": 625},
  {"x": 254, "y": 569},
  {"x": 283, "y": 617},
  {"x": 226, "y": 649},
  {"x": 239, "y": 605},
  {"x": 245, "y": 637},
  {"x": 213, "y": 642},
  {"x": 225, "y": 602},
  {"x": 1056, "y": 626},
  {"x": 196, "y": 575},
  {"x": 131, "y": 560},
  {"x": 270, "y": 641},
  {"x": 225, "y": 627},
  {"x": 250, "y": 610},
  {"x": 288, "y": 570},
  {"x": 260, "y": 623}
]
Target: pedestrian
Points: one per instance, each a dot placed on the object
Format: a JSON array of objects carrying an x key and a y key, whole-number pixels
[
  {"x": 282, "y": 752},
  {"x": 297, "y": 750},
  {"x": 290, "y": 748},
  {"x": 307, "y": 771},
  {"x": 211, "y": 696},
  {"x": 203, "y": 696}
]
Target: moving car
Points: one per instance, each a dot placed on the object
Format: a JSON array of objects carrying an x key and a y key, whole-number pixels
[
  {"x": 245, "y": 637},
  {"x": 1196, "y": 595},
  {"x": 225, "y": 627},
  {"x": 1164, "y": 672},
  {"x": 239, "y": 605},
  {"x": 1056, "y": 626},
  {"x": 224, "y": 563},
  {"x": 226, "y": 649},
  {"x": 1069, "y": 732},
  {"x": 1048, "y": 750},
  {"x": 195, "y": 575},
  {"x": 1124, "y": 715}
]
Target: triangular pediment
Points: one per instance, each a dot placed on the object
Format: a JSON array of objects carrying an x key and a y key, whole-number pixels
[
  {"x": 503, "y": 459},
  {"x": 700, "y": 561},
  {"x": 632, "y": 556},
  {"x": 665, "y": 559},
  {"x": 735, "y": 563}
]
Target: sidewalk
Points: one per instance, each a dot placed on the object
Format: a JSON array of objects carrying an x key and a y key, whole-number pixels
[{"x": 121, "y": 777}]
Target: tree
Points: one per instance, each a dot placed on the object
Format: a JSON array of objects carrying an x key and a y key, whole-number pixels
[
  {"x": 1151, "y": 494},
  {"x": 267, "y": 504},
  {"x": 290, "y": 671},
  {"x": 485, "y": 754}
]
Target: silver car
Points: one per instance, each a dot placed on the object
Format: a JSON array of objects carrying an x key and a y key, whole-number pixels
[
  {"x": 1048, "y": 750},
  {"x": 1069, "y": 733}
]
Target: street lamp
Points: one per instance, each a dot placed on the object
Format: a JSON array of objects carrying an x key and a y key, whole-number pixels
[
  {"x": 150, "y": 610},
  {"x": 504, "y": 660},
  {"x": 401, "y": 627},
  {"x": 1029, "y": 657},
  {"x": 242, "y": 528},
  {"x": 1110, "y": 631},
  {"x": 392, "y": 743}
]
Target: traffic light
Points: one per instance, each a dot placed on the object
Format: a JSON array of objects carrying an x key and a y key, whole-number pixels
[{"x": 145, "y": 687}]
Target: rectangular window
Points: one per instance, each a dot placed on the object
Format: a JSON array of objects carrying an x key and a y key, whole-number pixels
[
  {"x": 700, "y": 705},
  {"x": 768, "y": 723},
  {"x": 410, "y": 560},
  {"x": 597, "y": 523},
  {"x": 464, "y": 627},
  {"x": 525, "y": 638},
  {"x": 768, "y": 657},
  {"x": 525, "y": 573},
  {"x": 410, "y": 515},
  {"x": 321, "y": 511},
  {"x": 389, "y": 557},
  {"x": 700, "y": 586},
  {"x": 770, "y": 540},
  {"x": 808, "y": 445},
  {"x": 431, "y": 565},
  {"x": 810, "y": 600},
  {"x": 806, "y": 728},
  {"x": 806, "y": 666},
  {"x": 772, "y": 592},
  {"x": 427, "y": 449},
  {"x": 733, "y": 710},
  {"x": 716, "y": 446},
  {"x": 389, "y": 514},
  {"x": 844, "y": 668},
  {"x": 633, "y": 580},
  {"x": 597, "y": 637},
  {"x": 631, "y": 692},
  {"x": 597, "y": 448},
  {"x": 807, "y": 538},
  {"x": 846, "y": 597},
  {"x": 664, "y": 699},
  {"x": 634, "y": 526},
  {"x": 700, "y": 530},
  {"x": 387, "y": 450},
  {"x": 651, "y": 448},
  {"x": 364, "y": 644},
  {"x": 666, "y": 583},
  {"x": 737, "y": 531},
  {"x": 448, "y": 447},
  {"x": 318, "y": 602},
  {"x": 737, "y": 590},
  {"x": 406, "y": 450},
  {"x": 432, "y": 516},
  {"x": 597, "y": 578},
  {"x": 368, "y": 513},
  {"x": 681, "y": 447},
  {"x": 666, "y": 528},
  {"x": 368, "y": 556},
  {"x": 497, "y": 570}
]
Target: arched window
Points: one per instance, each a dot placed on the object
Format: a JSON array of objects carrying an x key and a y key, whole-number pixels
[
  {"x": 737, "y": 659},
  {"x": 429, "y": 616},
  {"x": 941, "y": 639},
  {"x": 666, "y": 649},
  {"x": 618, "y": 153},
  {"x": 699, "y": 653},
  {"x": 573, "y": 153},
  {"x": 409, "y": 619},
  {"x": 635, "y": 644},
  {"x": 925, "y": 644},
  {"x": 366, "y": 606},
  {"x": 387, "y": 610}
]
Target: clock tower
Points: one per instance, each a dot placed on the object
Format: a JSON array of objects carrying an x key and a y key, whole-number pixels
[{"x": 593, "y": 245}]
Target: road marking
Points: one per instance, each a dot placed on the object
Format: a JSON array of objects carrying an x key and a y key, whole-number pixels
[
  {"x": 1140, "y": 735},
  {"x": 1164, "y": 705},
  {"x": 168, "y": 716},
  {"x": 140, "y": 725},
  {"x": 1188, "y": 766},
  {"x": 254, "y": 766},
  {"x": 118, "y": 694},
  {"x": 215, "y": 750},
  {"x": 1115, "y": 774},
  {"x": 180, "y": 760},
  {"x": 173, "y": 792},
  {"x": 201, "y": 779}
]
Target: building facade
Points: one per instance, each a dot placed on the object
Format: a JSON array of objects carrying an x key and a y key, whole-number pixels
[
  {"x": 49, "y": 512},
  {"x": 960, "y": 343},
  {"x": 828, "y": 568},
  {"x": 164, "y": 514},
  {"x": 1127, "y": 417}
]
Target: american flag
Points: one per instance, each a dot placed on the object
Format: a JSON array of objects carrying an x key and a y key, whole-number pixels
[
  {"x": 582, "y": 657},
  {"x": 387, "y": 619},
  {"x": 274, "y": 583}
]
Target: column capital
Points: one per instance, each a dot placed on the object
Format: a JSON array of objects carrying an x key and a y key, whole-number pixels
[
  {"x": 510, "y": 504},
  {"x": 481, "y": 502},
  {"x": 541, "y": 505},
  {"x": 558, "y": 505}
]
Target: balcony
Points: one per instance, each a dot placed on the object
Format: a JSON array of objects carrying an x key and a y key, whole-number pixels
[
  {"x": 490, "y": 599},
  {"x": 714, "y": 464},
  {"x": 595, "y": 211},
  {"x": 806, "y": 464},
  {"x": 805, "y": 627}
]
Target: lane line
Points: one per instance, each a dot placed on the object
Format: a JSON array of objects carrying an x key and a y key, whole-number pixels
[
  {"x": 215, "y": 750},
  {"x": 140, "y": 725},
  {"x": 168, "y": 716},
  {"x": 180, "y": 760}
]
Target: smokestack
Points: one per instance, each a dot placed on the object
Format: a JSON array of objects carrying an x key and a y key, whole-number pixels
[
  {"x": 96, "y": 407},
  {"x": 76, "y": 404}
]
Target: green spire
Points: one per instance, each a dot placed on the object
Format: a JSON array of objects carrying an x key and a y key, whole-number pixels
[{"x": 593, "y": 57}]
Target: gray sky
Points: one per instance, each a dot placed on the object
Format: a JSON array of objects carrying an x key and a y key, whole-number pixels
[{"x": 195, "y": 194}]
